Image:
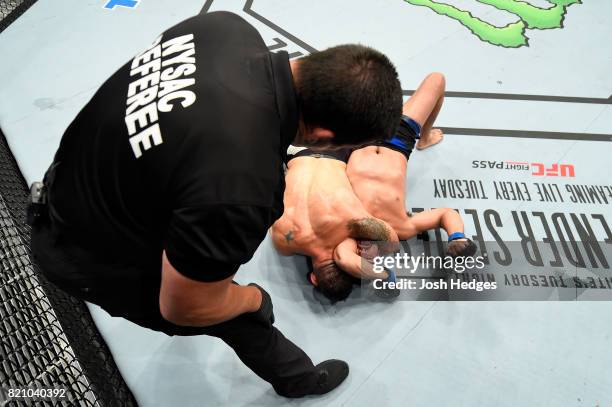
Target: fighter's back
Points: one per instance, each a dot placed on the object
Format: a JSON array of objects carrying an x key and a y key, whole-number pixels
[
  {"x": 319, "y": 203},
  {"x": 378, "y": 178}
]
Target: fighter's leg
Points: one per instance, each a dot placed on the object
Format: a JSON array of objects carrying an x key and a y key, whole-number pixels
[{"x": 423, "y": 107}]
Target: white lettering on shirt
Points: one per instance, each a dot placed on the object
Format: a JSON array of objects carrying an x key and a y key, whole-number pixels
[{"x": 154, "y": 90}]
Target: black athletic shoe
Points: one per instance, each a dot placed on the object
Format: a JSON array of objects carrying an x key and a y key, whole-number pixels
[{"x": 331, "y": 374}]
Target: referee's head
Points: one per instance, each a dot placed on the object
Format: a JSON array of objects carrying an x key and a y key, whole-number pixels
[{"x": 348, "y": 95}]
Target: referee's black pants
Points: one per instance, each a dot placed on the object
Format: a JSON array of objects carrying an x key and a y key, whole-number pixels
[
  {"x": 126, "y": 292},
  {"x": 260, "y": 346}
]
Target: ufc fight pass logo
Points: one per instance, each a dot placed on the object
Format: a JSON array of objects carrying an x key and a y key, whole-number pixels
[{"x": 536, "y": 169}]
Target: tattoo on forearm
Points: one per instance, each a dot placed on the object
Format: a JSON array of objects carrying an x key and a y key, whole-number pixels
[
  {"x": 289, "y": 236},
  {"x": 368, "y": 229}
]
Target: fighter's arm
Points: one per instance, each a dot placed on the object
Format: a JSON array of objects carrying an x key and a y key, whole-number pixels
[
  {"x": 446, "y": 218},
  {"x": 370, "y": 228},
  {"x": 347, "y": 258}
]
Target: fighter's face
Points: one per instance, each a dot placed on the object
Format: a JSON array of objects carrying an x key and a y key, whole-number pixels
[{"x": 367, "y": 249}]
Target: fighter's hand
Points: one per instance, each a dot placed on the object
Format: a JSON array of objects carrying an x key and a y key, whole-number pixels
[
  {"x": 388, "y": 247},
  {"x": 461, "y": 248},
  {"x": 367, "y": 249}
]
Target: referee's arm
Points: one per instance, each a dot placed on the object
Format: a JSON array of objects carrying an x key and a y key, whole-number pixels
[{"x": 188, "y": 302}]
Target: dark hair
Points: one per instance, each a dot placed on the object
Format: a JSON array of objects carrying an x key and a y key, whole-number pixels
[
  {"x": 352, "y": 90},
  {"x": 333, "y": 283}
]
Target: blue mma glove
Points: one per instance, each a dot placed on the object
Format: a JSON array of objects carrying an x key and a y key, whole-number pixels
[
  {"x": 388, "y": 293},
  {"x": 460, "y": 248},
  {"x": 391, "y": 277},
  {"x": 456, "y": 235}
]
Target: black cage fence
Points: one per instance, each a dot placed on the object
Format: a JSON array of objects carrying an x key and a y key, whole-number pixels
[
  {"x": 11, "y": 9},
  {"x": 47, "y": 338}
]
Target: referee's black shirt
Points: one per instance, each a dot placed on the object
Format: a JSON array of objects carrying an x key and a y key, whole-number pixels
[{"x": 180, "y": 150}]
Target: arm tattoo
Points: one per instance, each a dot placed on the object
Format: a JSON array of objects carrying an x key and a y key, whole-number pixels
[
  {"x": 368, "y": 229},
  {"x": 289, "y": 236}
]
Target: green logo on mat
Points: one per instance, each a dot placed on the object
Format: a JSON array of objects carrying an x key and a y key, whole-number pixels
[{"x": 513, "y": 34}]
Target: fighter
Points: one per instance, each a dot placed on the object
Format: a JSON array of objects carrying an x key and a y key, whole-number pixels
[
  {"x": 321, "y": 211},
  {"x": 325, "y": 198},
  {"x": 377, "y": 174}
]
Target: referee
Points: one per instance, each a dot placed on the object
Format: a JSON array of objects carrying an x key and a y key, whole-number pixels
[{"x": 169, "y": 178}]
